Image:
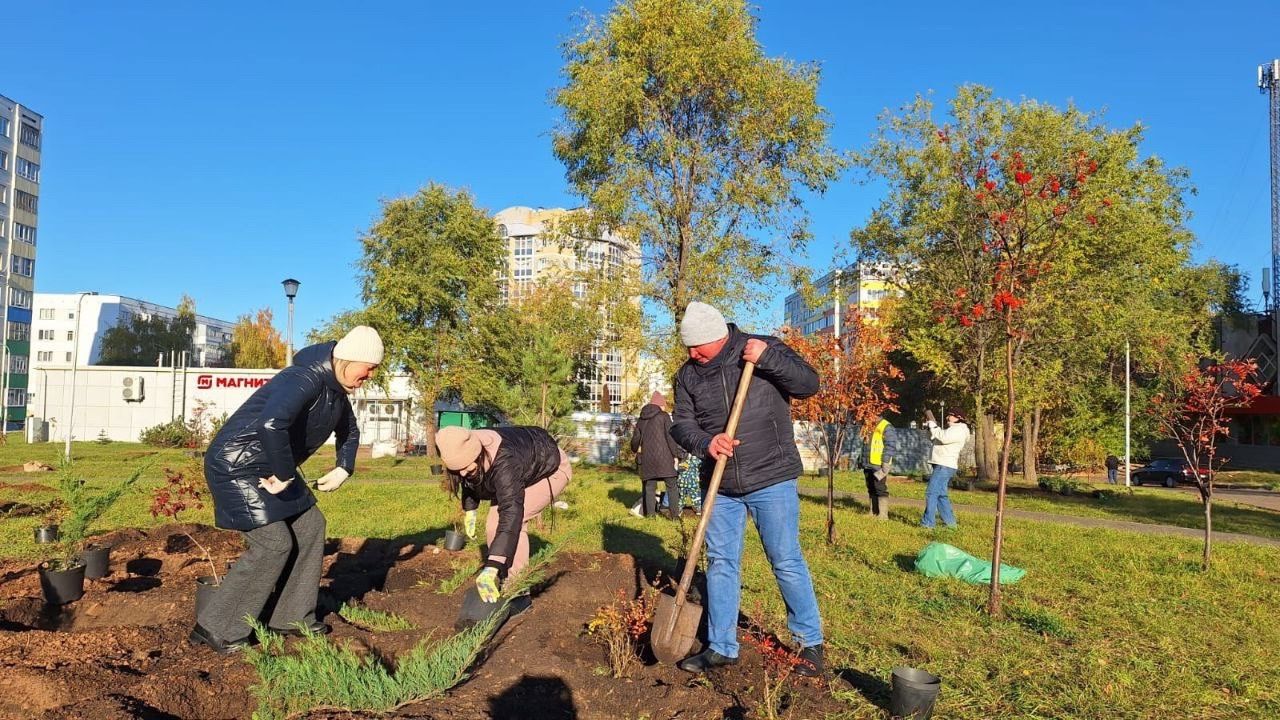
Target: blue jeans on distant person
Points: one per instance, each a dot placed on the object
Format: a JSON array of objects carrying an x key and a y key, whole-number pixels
[
  {"x": 1111, "y": 475},
  {"x": 776, "y": 513},
  {"x": 936, "y": 499}
]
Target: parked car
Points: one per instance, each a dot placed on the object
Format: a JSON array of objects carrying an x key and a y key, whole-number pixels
[{"x": 1168, "y": 472}]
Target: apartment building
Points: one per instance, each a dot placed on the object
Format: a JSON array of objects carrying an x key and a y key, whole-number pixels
[{"x": 21, "y": 136}]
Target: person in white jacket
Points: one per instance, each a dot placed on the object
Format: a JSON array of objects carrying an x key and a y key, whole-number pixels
[{"x": 947, "y": 444}]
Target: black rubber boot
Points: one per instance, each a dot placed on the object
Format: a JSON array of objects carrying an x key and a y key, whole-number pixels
[
  {"x": 200, "y": 636},
  {"x": 704, "y": 661},
  {"x": 811, "y": 662}
]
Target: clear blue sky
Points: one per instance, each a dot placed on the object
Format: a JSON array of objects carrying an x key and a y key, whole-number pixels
[{"x": 217, "y": 148}]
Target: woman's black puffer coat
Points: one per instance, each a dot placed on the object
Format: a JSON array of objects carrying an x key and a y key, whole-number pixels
[{"x": 274, "y": 431}]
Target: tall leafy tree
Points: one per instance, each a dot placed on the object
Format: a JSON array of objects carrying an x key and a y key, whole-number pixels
[
  {"x": 255, "y": 342},
  {"x": 684, "y": 136},
  {"x": 1030, "y": 243},
  {"x": 428, "y": 269}
]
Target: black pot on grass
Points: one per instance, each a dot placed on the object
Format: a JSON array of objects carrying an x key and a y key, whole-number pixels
[
  {"x": 913, "y": 693},
  {"x": 206, "y": 587},
  {"x": 47, "y": 534},
  {"x": 437, "y": 469},
  {"x": 97, "y": 561},
  {"x": 454, "y": 540},
  {"x": 61, "y": 586}
]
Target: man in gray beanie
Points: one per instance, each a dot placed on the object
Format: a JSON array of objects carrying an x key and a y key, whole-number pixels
[{"x": 759, "y": 480}]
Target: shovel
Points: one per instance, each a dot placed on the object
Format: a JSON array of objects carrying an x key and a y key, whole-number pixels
[{"x": 675, "y": 620}]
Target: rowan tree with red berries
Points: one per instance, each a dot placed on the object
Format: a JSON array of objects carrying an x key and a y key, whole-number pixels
[
  {"x": 1029, "y": 242},
  {"x": 1194, "y": 414}
]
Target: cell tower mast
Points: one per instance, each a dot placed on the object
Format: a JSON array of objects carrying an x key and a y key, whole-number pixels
[{"x": 1269, "y": 83}]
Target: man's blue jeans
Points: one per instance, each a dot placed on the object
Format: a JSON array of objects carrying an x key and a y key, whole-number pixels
[
  {"x": 776, "y": 513},
  {"x": 1111, "y": 475},
  {"x": 936, "y": 499}
]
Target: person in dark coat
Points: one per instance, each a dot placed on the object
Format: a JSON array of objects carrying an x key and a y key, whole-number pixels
[
  {"x": 520, "y": 471},
  {"x": 252, "y": 471},
  {"x": 659, "y": 453},
  {"x": 1113, "y": 468},
  {"x": 759, "y": 478}
]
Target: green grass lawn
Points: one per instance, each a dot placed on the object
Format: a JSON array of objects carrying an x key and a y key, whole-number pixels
[
  {"x": 1136, "y": 504},
  {"x": 1105, "y": 624}
]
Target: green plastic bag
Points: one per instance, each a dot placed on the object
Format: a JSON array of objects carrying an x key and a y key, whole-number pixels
[{"x": 940, "y": 559}]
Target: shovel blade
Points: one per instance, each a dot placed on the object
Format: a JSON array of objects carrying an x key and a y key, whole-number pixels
[{"x": 674, "y": 629}]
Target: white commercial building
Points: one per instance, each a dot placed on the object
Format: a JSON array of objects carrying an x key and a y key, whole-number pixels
[
  {"x": 118, "y": 403},
  {"x": 55, "y": 325}
]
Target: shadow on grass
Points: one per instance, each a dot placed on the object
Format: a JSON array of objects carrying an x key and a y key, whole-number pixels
[
  {"x": 534, "y": 697},
  {"x": 905, "y": 563},
  {"x": 625, "y": 495},
  {"x": 875, "y": 690}
]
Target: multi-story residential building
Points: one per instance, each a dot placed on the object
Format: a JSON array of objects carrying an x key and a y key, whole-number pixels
[
  {"x": 20, "y": 139},
  {"x": 535, "y": 252},
  {"x": 57, "y": 323},
  {"x": 860, "y": 285}
]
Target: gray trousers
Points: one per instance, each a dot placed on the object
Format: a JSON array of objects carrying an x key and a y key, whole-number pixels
[{"x": 282, "y": 565}]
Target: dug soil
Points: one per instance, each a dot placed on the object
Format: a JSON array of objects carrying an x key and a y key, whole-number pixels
[{"x": 122, "y": 651}]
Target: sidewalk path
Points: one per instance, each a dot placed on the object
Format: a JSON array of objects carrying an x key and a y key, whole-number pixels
[{"x": 1145, "y": 528}]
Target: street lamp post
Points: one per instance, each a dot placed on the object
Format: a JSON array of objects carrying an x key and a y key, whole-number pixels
[
  {"x": 290, "y": 291},
  {"x": 75, "y": 362}
]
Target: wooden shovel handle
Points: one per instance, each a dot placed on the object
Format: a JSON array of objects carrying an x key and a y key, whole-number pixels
[{"x": 731, "y": 429}]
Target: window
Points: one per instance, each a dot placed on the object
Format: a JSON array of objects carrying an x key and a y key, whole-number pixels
[
  {"x": 19, "y": 298},
  {"x": 46, "y": 313},
  {"x": 44, "y": 356},
  {"x": 4, "y": 194},
  {"x": 71, "y": 334},
  {"x": 28, "y": 169},
  {"x": 16, "y": 397},
  {"x": 26, "y": 201},
  {"x": 4, "y": 160},
  {"x": 25, "y": 233},
  {"x": 30, "y": 136},
  {"x": 18, "y": 364},
  {"x": 46, "y": 334},
  {"x": 19, "y": 331},
  {"x": 25, "y": 267},
  {"x": 68, "y": 357},
  {"x": 71, "y": 316},
  {"x": 4, "y": 127}
]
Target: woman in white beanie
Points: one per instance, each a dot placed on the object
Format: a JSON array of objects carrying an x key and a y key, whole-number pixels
[
  {"x": 520, "y": 471},
  {"x": 252, "y": 471}
]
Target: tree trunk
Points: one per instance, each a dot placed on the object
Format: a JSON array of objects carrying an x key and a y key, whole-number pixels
[
  {"x": 979, "y": 445},
  {"x": 993, "y": 603},
  {"x": 991, "y": 458},
  {"x": 1028, "y": 448},
  {"x": 1208, "y": 531},
  {"x": 831, "y": 489},
  {"x": 1035, "y": 437}
]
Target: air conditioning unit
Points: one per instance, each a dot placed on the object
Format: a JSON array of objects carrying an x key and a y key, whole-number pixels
[{"x": 131, "y": 388}]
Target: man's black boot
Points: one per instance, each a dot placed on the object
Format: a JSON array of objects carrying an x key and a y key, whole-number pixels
[{"x": 704, "y": 661}]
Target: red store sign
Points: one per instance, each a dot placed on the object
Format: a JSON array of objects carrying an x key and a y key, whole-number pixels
[{"x": 206, "y": 382}]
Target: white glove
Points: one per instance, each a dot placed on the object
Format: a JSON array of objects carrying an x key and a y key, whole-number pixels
[
  {"x": 470, "y": 523},
  {"x": 274, "y": 485},
  {"x": 332, "y": 480}
]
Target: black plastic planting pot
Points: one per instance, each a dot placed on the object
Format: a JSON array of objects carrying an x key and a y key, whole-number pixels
[
  {"x": 47, "y": 534},
  {"x": 206, "y": 586},
  {"x": 62, "y": 586},
  {"x": 437, "y": 469},
  {"x": 913, "y": 693},
  {"x": 454, "y": 540},
  {"x": 97, "y": 561}
]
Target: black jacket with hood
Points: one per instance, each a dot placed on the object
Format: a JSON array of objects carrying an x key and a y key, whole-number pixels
[
  {"x": 658, "y": 450},
  {"x": 767, "y": 454},
  {"x": 274, "y": 431},
  {"x": 525, "y": 456}
]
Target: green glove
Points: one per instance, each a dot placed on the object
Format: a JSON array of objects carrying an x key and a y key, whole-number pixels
[
  {"x": 487, "y": 584},
  {"x": 469, "y": 522}
]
